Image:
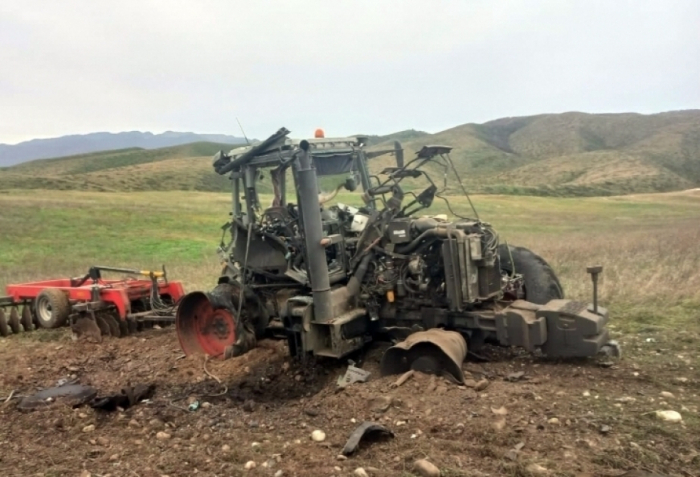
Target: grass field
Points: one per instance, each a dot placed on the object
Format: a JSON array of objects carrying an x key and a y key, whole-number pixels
[{"x": 647, "y": 243}]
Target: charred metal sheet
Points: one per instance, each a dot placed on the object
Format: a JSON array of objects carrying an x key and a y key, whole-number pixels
[
  {"x": 435, "y": 351},
  {"x": 72, "y": 394},
  {"x": 127, "y": 398},
  {"x": 365, "y": 429}
]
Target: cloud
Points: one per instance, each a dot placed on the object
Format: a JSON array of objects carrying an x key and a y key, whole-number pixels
[{"x": 348, "y": 66}]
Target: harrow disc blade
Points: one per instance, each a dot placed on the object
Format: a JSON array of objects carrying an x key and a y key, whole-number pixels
[
  {"x": 203, "y": 329},
  {"x": 14, "y": 320},
  {"x": 4, "y": 329},
  {"x": 26, "y": 319},
  {"x": 102, "y": 325},
  {"x": 113, "y": 324}
]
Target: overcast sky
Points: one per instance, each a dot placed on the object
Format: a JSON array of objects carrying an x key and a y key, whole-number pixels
[{"x": 358, "y": 66}]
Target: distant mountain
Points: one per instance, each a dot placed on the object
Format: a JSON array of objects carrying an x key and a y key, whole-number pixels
[
  {"x": 102, "y": 141},
  {"x": 569, "y": 154}
]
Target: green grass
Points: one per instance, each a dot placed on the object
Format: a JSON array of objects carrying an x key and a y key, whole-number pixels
[{"x": 647, "y": 243}]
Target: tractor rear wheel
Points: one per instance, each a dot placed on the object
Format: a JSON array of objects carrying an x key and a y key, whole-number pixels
[
  {"x": 52, "y": 308},
  {"x": 540, "y": 283}
]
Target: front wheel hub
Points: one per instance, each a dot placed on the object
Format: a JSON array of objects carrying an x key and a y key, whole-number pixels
[{"x": 203, "y": 329}]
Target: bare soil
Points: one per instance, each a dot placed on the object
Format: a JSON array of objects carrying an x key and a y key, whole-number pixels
[{"x": 569, "y": 418}]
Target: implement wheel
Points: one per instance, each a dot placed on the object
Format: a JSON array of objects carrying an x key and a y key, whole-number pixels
[
  {"x": 540, "y": 283},
  {"x": 52, "y": 308},
  {"x": 4, "y": 329}
]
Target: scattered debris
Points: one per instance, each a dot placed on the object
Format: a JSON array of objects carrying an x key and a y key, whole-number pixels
[
  {"x": 318, "y": 436},
  {"x": 513, "y": 377},
  {"x": 403, "y": 378},
  {"x": 426, "y": 468},
  {"x": 501, "y": 411},
  {"x": 353, "y": 375},
  {"x": 193, "y": 406},
  {"x": 365, "y": 429},
  {"x": 604, "y": 429},
  {"x": 435, "y": 351},
  {"x": 536, "y": 469},
  {"x": 128, "y": 397},
  {"x": 72, "y": 394}
]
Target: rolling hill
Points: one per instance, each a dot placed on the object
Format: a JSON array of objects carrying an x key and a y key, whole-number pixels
[
  {"x": 570, "y": 154},
  {"x": 101, "y": 141}
]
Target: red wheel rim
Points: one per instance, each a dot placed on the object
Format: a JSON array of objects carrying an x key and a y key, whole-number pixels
[{"x": 203, "y": 329}]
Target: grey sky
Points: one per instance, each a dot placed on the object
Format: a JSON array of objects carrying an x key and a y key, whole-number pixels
[{"x": 348, "y": 66}]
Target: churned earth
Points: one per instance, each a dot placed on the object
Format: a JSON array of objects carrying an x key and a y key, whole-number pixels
[{"x": 534, "y": 417}]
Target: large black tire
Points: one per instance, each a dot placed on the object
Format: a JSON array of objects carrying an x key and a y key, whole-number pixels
[
  {"x": 52, "y": 308},
  {"x": 540, "y": 283}
]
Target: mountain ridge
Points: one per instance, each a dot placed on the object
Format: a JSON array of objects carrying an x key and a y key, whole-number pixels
[
  {"x": 568, "y": 154},
  {"x": 74, "y": 144}
]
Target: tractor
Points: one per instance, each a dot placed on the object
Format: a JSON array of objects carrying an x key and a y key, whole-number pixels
[{"x": 332, "y": 278}]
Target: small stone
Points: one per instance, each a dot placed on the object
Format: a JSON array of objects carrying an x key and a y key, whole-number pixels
[
  {"x": 85, "y": 473},
  {"x": 206, "y": 404},
  {"x": 426, "y": 468},
  {"x": 225, "y": 448},
  {"x": 134, "y": 423},
  {"x": 256, "y": 445},
  {"x": 554, "y": 421},
  {"x": 481, "y": 385},
  {"x": 470, "y": 383},
  {"x": 279, "y": 473},
  {"x": 162, "y": 436},
  {"x": 499, "y": 424},
  {"x": 89, "y": 428},
  {"x": 114, "y": 457},
  {"x": 103, "y": 441},
  {"x": 249, "y": 405},
  {"x": 605, "y": 429},
  {"x": 667, "y": 395},
  {"x": 586, "y": 394},
  {"x": 536, "y": 469},
  {"x": 341, "y": 457},
  {"x": 625, "y": 399},
  {"x": 318, "y": 436},
  {"x": 400, "y": 423},
  {"x": 680, "y": 379},
  {"x": 297, "y": 377},
  {"x": 501, "y": 411},
  {"x": 360, "y": 472},
  {"x": 380, "y": 403},
  {"x": 155, "y": 422},
  {"x": 82, "y": 415},
  {"x": 249, "y": 465}
]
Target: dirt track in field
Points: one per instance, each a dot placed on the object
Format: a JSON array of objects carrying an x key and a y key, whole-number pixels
[{"x": 567, "y": 418}]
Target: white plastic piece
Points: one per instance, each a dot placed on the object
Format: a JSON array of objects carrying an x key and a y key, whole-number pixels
[{"x": 359, "y": 222}]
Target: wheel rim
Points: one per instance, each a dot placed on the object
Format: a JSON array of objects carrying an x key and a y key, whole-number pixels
[{"x": 43, "y": 310}]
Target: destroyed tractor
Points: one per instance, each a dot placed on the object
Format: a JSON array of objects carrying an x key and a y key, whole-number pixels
[{"x": 332, "y": 278}]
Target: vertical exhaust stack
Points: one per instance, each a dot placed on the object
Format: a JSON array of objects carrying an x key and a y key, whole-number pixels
[{"x": 313, "y": 234}]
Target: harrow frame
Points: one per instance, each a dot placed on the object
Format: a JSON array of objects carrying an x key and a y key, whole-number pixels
[{"x": 91, "y": 293}]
